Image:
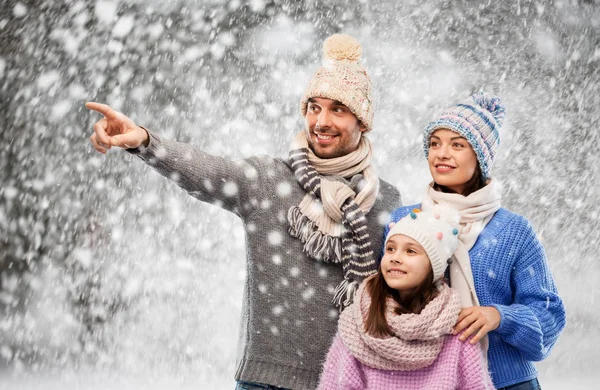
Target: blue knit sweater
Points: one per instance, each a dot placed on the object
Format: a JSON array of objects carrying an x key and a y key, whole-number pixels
[{"x": 511, "y": 274}]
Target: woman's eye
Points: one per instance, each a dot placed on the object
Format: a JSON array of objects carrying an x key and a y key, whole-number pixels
[
  {"x": 458, "y": 145},
  {"x": 410, "y": 251},
  {"x": 389, "y": 249},
  {"x": 432, "y": 144}
]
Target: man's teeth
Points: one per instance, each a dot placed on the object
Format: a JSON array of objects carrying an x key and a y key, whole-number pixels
[{"x": 324, "y": 137}]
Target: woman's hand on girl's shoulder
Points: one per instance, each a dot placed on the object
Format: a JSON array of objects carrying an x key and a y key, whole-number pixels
[{"x": 480, "y": 319}]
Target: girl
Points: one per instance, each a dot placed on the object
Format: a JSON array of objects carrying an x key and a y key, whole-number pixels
[
  {"x": 397, "y": 333},
  {"x": 506, "y": 289}
]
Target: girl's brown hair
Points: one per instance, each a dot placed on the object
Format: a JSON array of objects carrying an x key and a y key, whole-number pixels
[{"x": 379, "y": 291}]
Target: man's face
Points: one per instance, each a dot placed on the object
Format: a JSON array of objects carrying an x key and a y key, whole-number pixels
[{"x": 332, "y": 129}]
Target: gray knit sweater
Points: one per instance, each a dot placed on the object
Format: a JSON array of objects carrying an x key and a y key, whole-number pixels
[{"x": 288, "y": 320}]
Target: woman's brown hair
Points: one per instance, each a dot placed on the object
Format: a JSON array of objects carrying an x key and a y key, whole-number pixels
[{"x": 379, "y": 291}]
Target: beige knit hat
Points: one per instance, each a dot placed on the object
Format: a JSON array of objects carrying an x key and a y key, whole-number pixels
[
  {"x": 342, "y": 78},
  {"x": 436, "y": 231}
]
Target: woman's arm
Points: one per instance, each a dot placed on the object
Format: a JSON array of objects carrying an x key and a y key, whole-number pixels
[{"x": 533, "y": 322}]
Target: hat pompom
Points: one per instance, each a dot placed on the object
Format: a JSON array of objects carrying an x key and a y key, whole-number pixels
[
  {"x": 342, "y": 47},
  {"x": 493, "y": 104}
]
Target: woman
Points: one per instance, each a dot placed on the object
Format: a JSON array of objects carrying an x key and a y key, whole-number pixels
[{"x": 506, "y": 288}]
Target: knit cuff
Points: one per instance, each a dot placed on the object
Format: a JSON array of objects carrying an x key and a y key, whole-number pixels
[
  {"x": 508, "y": 320},
  {"x": 144, "y": 152}
]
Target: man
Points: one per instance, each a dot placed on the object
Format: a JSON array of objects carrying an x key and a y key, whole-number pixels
[{"x": 312, "y": 222}]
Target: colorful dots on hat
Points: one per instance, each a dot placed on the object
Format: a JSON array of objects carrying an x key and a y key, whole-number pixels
[
  {"x": 436, "y": 216},
  {"x": 439, "y": 235},
  {"x": 455, "y": 231},
  {"x": 450, "y": 261},
  {"x": 416, "y": 210},
  {"x": 391, "y": 224},
  {"x": 413, "y": 215}
]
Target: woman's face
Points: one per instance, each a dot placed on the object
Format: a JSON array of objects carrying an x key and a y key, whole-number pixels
[
  {"x": 405, "y": 264},
  {"x": 452, "y": 160}
]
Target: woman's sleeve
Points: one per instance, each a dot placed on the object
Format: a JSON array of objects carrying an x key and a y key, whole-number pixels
[{"x": 537, "y": 316}]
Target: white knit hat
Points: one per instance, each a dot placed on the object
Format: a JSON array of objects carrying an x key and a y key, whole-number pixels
[
  {"x": 436, "y": 231},
  {"x": 342, "y": 78}
]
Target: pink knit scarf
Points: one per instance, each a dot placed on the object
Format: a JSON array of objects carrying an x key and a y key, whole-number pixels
[{"x": 417, "y": 340}]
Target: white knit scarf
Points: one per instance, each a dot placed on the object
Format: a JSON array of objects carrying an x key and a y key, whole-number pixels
[{"x": 475, "y": 211}]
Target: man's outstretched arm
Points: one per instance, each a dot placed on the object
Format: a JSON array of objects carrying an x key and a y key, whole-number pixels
[{"x": 233, "y": 185}]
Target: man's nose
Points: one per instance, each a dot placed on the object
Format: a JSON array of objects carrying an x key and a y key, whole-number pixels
[{"x": 324, "y": 119}]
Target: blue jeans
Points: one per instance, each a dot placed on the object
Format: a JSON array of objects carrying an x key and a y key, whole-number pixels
[
  {"x": 529, "y": 385},
  {"x": 255, "y": 386}
]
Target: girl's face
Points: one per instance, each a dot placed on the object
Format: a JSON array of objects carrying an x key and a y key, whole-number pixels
[
  {"x": 405, "y": 264},
  {"x": 452, "y": 160}
]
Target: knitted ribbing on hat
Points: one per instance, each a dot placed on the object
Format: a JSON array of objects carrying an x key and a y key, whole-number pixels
[
  {"x": 478, "y": 120},
  {"x": 330, "y": 220},
  {"x": 417, "y": 340},
  {"x": 342, "y": 78}
]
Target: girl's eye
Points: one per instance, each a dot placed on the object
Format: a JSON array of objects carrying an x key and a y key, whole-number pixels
[
  {"x": 458, "y": 145},
  {"x": 411, "y": 251},
  {"x": 389, "y": 249},
  {"x": 432, "y": 144}
]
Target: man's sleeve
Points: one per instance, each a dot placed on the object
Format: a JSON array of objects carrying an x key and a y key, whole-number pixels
[{"x": 232, "y": 185}]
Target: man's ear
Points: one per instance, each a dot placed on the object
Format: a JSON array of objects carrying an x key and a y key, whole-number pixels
[{"x": 362, "y": 127}]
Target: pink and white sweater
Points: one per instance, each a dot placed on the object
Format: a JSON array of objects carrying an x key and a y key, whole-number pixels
[{"x": 422, "y": 354}]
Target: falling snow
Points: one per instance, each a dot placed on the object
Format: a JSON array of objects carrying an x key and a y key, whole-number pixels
[{"x": 108, "y": 268}]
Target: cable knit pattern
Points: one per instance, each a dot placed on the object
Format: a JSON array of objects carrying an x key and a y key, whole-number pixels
[
  {"x": 418, "y": 338},
  {"x": 511, "y": 273}
]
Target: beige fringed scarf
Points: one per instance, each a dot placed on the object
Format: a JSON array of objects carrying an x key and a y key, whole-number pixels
[{"x": 330, "y": 221}]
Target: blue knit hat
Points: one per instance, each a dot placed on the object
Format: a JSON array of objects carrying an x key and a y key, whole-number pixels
[{"x": 478, "y": 120}]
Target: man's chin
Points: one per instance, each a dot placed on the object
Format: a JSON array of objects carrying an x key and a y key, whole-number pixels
[{"x": 324, "y": 152}]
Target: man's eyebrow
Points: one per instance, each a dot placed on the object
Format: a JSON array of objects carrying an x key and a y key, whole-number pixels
[{"x": 336, "y": 103}]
